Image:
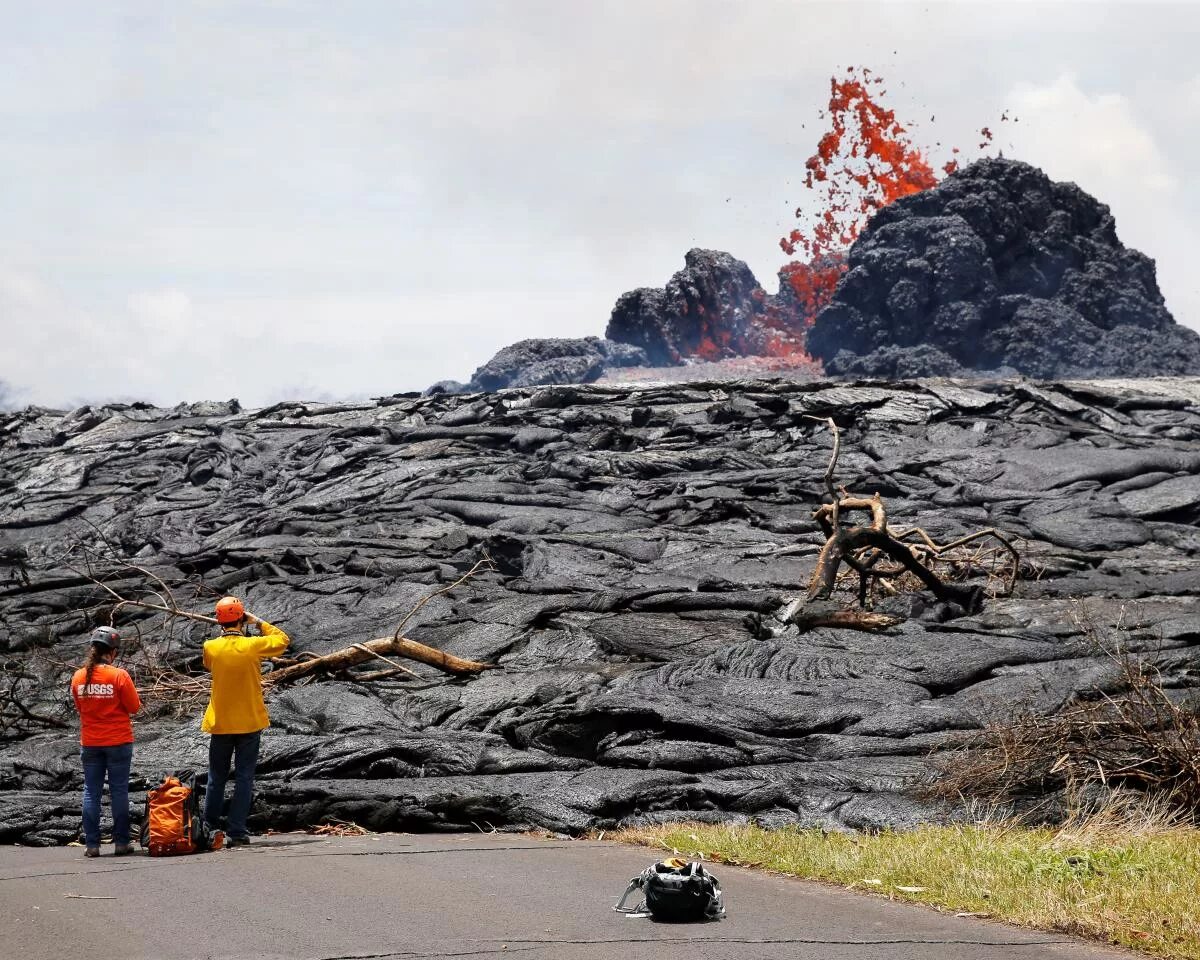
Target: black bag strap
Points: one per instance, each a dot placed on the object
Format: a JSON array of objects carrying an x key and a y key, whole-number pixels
[{"x": 144, "y": 833}]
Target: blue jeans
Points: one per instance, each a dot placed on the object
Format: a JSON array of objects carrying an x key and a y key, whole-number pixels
[
  {"x": 97, "y": 762},
  {"x": 242, "y": 750}
]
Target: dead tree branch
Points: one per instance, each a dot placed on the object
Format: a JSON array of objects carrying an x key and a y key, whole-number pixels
[
  {"x": 17, "y": 719},
  {"x": 479, "y": 565},
  {"x": 806, "y": 618},
  {"x": 344, "y": 659},
  {"x": 877, "y": 555},
  {"x": 395, "y": 645},
  {"x": 186, "y": 690}
]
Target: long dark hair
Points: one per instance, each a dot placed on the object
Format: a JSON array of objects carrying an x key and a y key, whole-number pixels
[{"x": 95, "y": 657}]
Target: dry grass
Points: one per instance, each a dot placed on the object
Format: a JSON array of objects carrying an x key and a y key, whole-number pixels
[
  {"x": 1144, "y": 735},
  {"x": 1109, "y": 877}
]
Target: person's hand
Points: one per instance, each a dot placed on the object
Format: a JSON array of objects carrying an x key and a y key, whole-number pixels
[{"x": 251, "y": 618}]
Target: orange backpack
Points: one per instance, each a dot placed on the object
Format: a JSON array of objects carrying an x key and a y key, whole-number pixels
[{"x": 172, "y": 824}]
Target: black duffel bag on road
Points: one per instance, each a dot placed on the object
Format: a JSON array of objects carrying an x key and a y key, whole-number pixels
[{"x": 675, "y": 891}]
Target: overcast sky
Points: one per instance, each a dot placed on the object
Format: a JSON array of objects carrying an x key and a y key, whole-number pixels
[{"x": 269, "y": 200}]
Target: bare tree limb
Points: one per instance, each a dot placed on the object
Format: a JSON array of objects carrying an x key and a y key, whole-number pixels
[
  {"x": 362, "y": 652},
  {"x": 479, "y": 565},
  {"x": 860, "y": 548},
  {"x": 806, "y": 618},
  {"x": 396, "y": 645},
  {"x": 184, "y": 689}
]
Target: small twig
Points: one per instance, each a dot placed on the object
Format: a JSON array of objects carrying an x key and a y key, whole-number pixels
[
  {"x": 174, "y": 612},
  {"x": 485, "y": 562},
  {"x": 398, "y": 666},
  {"x": 829, "y": 470}
]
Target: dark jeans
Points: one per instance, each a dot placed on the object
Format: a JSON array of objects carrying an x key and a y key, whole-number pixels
[
  {"x": 242, "y": 750},
  {"x": 97, "y": 763}
]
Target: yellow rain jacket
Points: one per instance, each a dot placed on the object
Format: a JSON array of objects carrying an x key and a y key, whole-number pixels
[{"x": 235, "y": 704}]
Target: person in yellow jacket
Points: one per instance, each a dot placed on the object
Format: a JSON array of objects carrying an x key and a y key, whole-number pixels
[{"x": 236, "y": 715}]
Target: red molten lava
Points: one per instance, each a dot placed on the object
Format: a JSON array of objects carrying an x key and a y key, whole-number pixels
[{"x": 864, "y": 162}]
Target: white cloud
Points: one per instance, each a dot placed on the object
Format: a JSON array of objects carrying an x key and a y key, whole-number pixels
[
  {"x": 20, "y": 292},
  {"x": 167, "y": 346},
  {"x": 1098, "y": 138},
  {"x": 162, "y": 312},
  {"x": 49, "y": 348},
  {"x": 1099, "y": 141},
  {"x": 1191, "y": 97}
]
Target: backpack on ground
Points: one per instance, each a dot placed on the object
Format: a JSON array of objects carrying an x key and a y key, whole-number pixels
[
  {"x": 676, "y": 891},
  {"x": 172, "y": 824}
]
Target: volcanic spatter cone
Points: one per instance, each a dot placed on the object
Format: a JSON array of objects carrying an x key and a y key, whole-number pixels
[
  {"x": 712, "y": 309},
  {"x": 999, "y": 268},
  {"x": 529, "y": 363}
]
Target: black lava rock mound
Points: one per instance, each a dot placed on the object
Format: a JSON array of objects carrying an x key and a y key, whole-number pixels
[
  {"x": 713, "y": 309},
  {"x": 531, "y": 363},
  {"x": 643, "y": 537},
  {"x": 999, "y": 269}
]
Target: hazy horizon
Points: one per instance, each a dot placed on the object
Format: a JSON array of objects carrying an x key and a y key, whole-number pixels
[{"x": 288, "y": 200}]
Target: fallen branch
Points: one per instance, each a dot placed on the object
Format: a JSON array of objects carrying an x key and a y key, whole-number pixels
[
  {"x": 14, "y": 714},
  {"x": 351, "y": 656},
  {"x": 478, "y": 565},
  {"x": 167, "y": 603},
  {"x": 806, "y": 618},
  {"x": 185, "y": 690},
  {"x": 396, "y": 667},
  {"x": 396, "y": 645}
]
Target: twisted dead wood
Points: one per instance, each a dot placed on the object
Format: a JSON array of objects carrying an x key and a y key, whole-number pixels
[{"x": 862, "y": 547}]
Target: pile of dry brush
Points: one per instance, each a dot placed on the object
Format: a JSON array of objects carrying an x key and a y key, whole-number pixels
[{"x": 1142, "y": 734}]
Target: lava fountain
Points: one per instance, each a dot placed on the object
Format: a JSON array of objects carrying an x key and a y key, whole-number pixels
[{"x": 863, "y": 162}]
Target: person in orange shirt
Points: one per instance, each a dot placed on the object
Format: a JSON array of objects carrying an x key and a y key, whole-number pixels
[
  {"x": 236, "y": 715},
  {"x": 106, "y": 699}
]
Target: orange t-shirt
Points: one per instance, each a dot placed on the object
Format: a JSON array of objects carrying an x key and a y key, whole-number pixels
[{"x": 105, "y": 706}]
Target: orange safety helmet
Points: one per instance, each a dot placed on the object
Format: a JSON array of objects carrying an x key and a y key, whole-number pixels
[{"x": 230, "y": 610}]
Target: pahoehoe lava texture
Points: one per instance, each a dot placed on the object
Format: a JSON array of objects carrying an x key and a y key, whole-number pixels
[
  {"x": 641, "y": 537},
  {"x": 999, "y": 269}
]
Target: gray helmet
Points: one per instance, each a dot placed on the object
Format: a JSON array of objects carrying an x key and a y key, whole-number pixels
[{"x": 105, "y": 637}]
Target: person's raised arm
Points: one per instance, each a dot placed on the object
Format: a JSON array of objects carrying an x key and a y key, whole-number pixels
[{"x": 273, "y": 640}]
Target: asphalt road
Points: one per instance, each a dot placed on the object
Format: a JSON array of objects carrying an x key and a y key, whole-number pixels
[{"x": 393, "y": 896}]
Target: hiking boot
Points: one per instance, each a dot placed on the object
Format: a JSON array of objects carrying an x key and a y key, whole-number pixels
[
  {"x": 237, "y": 841},
  {"x": 122, "y": 849},
  {"x": 92, "y": 852},
  {"x": 216, "y": 840}
]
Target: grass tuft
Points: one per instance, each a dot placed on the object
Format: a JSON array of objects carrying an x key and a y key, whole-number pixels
[{"x": 1128, "y": 881}]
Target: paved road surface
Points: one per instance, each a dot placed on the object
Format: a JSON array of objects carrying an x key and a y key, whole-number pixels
[{"x": 396, "y": 896}]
